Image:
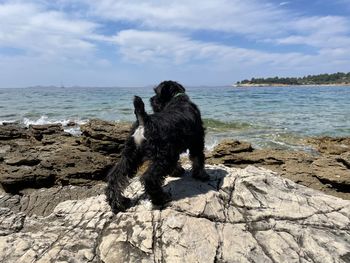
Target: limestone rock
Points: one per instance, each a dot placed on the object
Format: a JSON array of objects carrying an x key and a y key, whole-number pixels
[
  {"x": 43, "y": 201},
  {"x": 10, "y": 222},
  {"x": 333, "y": 170},
  {"x": 228, "y": 147},
  {"x": 230, "y": 152},
  {"x": 12, "y": 131},
  {"x": 240, "y": 215},
  {"x": 44, "y": 155},
  {"x": 35, "y": 166},
  {"x": 331, "y": 145},
  {"x": 38, "y": 131},
  {"x": 104, "y": 136},
  {"x": 328, "y": 173}
]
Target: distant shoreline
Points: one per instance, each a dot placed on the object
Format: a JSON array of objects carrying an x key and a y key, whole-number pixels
[
  {"x": 289, "y": 85},
  {"x": 334, "y": 79}
]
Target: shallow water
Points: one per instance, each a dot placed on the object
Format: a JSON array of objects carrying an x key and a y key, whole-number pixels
[{"x": 278, "y": 117}]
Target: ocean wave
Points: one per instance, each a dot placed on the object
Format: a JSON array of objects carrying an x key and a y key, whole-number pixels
[
  {"x": 74, "y": 130},
  {"x": 46, "y": 120},
  {"x": 7, "y": 121}
]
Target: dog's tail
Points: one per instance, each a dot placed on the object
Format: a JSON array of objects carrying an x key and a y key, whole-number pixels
[{"x": 139, "y": 111}]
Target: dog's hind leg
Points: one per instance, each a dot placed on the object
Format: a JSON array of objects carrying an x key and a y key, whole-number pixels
[
  {"x": 118, "y": 177},
  {"x": 153, "y": 179},
  {"x": 197, "y": 157}
]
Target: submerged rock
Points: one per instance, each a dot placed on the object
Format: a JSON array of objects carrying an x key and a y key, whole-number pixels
[{"x": 240, "y": 215}]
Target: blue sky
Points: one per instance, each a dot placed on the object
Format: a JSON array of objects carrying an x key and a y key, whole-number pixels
[{"x": 142, "y": 42}]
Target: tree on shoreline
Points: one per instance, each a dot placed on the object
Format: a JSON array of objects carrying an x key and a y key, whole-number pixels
[{"x": 336, "y": 78}]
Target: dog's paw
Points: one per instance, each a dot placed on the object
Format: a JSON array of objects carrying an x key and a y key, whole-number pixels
[
  {"x": 201, "y": 175},
  {"x": 123, "y": 204},
  {"x": 162, "y": 199},
  {"x": 178, "y": 172}
]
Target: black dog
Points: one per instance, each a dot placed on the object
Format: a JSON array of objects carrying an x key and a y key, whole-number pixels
[{"x": 175, "y": 126}]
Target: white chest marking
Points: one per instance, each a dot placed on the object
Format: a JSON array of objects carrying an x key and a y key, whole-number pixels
[{"x": 139, "y": 135}]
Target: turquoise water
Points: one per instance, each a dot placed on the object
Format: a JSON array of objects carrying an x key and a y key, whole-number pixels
[{"x": 278, "y": 117}]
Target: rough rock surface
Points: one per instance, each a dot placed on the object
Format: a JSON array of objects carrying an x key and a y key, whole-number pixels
[
  {"x": 331, "y": 145},
  {"x": 104, "y": 136},
  {"x": 323, "y": 171},
  {"x": 43, "y": 201},
  {"x": 44, "y": 155},
  {"x": 240, "y": 215}
]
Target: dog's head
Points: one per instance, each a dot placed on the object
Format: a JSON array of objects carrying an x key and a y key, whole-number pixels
[{"x": 165, "y": 91}]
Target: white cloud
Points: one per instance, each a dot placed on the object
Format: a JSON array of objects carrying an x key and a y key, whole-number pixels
[
  {"x": 328, "y": 34},
  {"x": 164, "y": 47},
  {"x": 255, "y": 20},
  {"x": 329, "y": 24},
  {"x": 66, "y": 34},
  {"x": 284, "y": 3},
  {"x": 235, "y": 16},
  {"x": 49, "y": 33}
]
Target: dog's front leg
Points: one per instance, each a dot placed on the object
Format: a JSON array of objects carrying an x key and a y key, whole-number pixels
[{"x": 197, "y": 157}]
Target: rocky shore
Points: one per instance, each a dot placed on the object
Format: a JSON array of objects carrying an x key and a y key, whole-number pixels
[
  {"x": 255, "y": 208},
  {"x": 326, "y": 170}
]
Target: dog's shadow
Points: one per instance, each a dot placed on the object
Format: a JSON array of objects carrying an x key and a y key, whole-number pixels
[{"x": 186, "y": 186}]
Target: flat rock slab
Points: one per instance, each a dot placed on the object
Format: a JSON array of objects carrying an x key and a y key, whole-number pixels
[
  {"x": 42, "y": 202},
  {"x": 240, "y": 215}
]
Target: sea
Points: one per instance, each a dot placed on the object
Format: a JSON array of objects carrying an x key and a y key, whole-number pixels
[{"x": 268, "y": 117}]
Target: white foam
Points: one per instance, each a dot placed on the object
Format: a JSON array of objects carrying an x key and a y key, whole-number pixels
[
  {"x": 6, "y": 121},
  {"x": 211, "y": 146},
  {"x": 74, "y": 130},
  {"x": 210, "y": 142},
  {"x": 45, "y": 120}
]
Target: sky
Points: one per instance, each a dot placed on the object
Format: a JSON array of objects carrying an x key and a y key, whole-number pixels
[{"x": 142, "y": 42}]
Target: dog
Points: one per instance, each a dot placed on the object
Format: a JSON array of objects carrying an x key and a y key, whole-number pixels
[{"x": 175, "y": 127}]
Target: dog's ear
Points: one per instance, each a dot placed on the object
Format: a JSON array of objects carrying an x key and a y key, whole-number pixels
[
  {"x": 168, "y": 89},
  {"x": 176, "y": 88}
]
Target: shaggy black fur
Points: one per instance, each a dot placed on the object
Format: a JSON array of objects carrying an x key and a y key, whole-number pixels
[{"x": 175, "y": 126}]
